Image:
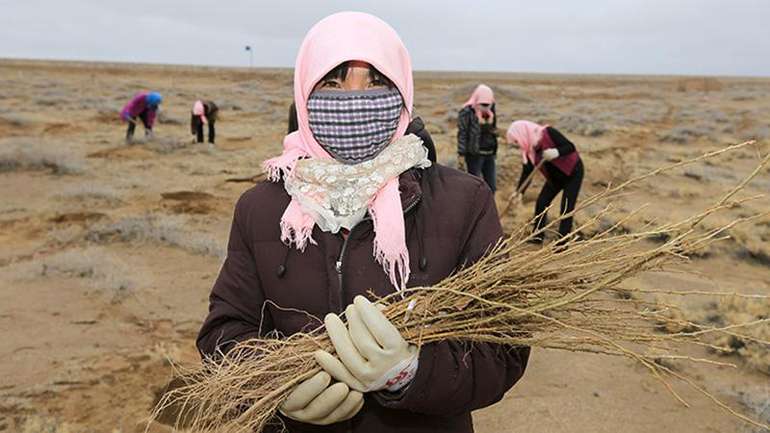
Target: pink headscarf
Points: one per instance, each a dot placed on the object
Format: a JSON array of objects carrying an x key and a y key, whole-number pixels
[
  {"x": 338, "y": 38},
  {"x": 528, "y": 135},
  {"x": 483, "y": 94},
  {"x": 200, "y": 110}
]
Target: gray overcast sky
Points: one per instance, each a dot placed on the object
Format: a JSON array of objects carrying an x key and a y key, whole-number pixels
[{"x": 728, "y": 37}]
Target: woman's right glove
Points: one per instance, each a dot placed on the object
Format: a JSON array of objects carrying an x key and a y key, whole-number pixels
[
  {"x": 314, "y": 401},
  {"x": 373, "y": 356}
]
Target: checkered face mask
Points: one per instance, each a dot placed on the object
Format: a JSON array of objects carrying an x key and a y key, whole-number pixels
[{"x": 354, "y": 126}]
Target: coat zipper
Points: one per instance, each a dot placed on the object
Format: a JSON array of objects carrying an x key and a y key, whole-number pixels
[{"x": 338, "y": 266}]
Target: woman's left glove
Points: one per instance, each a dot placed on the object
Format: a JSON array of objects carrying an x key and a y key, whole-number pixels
[
  {"x": 318, "y": 401},
  {"x": 373, "y": 355}
]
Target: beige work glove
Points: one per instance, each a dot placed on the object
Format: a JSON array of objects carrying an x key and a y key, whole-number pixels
[
  {"x": 372, "y": 353},
  {"x": 550, "y": 154},
  {"x": 314, "y": 401}
]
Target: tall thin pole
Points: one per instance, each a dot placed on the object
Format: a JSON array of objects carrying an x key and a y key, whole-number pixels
[{"x": 251, "y": 56}]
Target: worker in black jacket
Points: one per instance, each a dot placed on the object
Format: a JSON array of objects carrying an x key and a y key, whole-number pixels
[{"x": 477, "y": 134}]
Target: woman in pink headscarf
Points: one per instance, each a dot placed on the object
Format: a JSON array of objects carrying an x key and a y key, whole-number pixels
[
  {"x": 204, "y": 113},
  {"x": 477, "y": 134},
  {"x": 354, "y": 208},
  {"x": 559, "y": 162}
]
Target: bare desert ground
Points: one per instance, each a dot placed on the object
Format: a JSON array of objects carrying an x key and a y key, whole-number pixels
[{"x": 109, "y": 251}]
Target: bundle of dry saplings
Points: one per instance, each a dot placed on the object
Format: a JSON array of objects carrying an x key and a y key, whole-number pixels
[{"x": 566, "y": 297}]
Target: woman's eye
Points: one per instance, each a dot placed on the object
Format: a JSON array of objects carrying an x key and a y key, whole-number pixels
[
  {"x": 377, "y": 82},
  {"x": 330, "y": 84}
]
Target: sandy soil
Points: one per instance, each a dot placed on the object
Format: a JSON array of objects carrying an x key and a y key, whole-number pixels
[{"x": 109, "y": 251}]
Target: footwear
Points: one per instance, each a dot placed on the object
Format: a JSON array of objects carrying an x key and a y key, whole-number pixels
[
  {"x": 535, "y": 240},
  {"x": 563, "y": 242},
  {"x": 560, "y": 247}
]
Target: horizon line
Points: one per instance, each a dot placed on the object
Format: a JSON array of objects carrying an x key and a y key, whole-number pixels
[{"x": 4, "y": 59}]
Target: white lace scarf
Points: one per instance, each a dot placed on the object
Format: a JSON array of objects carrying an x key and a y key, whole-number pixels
[{"x": 337, "y": 195}]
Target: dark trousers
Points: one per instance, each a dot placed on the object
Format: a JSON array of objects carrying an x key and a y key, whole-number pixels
[
  {"x": 197, "y": 127},
  {"x": 132, "y": 125},
  {"x": 570, "y": 189},
  {"x": 482, "y": 166}
]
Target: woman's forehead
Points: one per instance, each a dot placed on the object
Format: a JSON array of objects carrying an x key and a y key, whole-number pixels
[{"x": 359, "y": 64}]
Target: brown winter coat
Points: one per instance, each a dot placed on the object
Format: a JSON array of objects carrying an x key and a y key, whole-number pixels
[{"x": 451, "y": 220}]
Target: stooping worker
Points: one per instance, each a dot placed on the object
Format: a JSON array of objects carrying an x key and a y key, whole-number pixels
[
  {"x": 144, "y": 106},
  {"x": 477, "y": 134},
  {"x": 558, "y": 161},
  {"x": 354, "y": 205},
  {"x": 203, "y": 113}
]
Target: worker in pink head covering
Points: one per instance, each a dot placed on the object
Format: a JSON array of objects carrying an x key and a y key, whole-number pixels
[
  {"x": 204, "y": 113},
  {"x": 477, "y": 134},
  {"x": 559, "y": 162},
  {"x": 354, "y": 209}
]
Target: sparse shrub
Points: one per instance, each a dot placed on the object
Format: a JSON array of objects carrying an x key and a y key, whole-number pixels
[
  {"x": 15, "y": 120},
  {"x": 104, "y": 271},
  {"x": 165, "y": 118},
  {"x": 65, "y": 235},
  {"x": 759, "y": 133},
  {"x": 743, "y": 96},
  {"x": 165, "y": 144},
  {"x": 511, "y": 93},
  {"x": 741, "y": 310},
  {"x": 52, "y": 98},
  {"x": 169, "y": 230},
  {"x": 230, "y": 105},
  {"x": 746, "y": 342},
  {"x": 582, "y": 125},
  {"x": 90, "y": 191},
  {"x": 757, "y": 400},
  {"x": 28, "y": 154},
  {"x": 41, "y": 424},
  {"x": 681, "y": 134},
  {"x": 638, "y": 113}
]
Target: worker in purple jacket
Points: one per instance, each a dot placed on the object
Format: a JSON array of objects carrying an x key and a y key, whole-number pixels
[{"x": 144, "y": 106}]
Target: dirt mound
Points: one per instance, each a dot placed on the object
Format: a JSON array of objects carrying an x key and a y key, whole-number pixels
[
  {"x": 77, "y": 217},
  {"x": 62, "y": 129},
  {"x": 123, "y": 152},
  {"x": 187, "y": 195},
  {"x": 190, "y": 202},
  {"x": 111, "y": 116}
]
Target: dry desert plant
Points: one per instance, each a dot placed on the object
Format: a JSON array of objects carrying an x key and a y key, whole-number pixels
[
  {"x": 91, "y": 191},
  {"x": 105, "y": 272},
  {"x": 165, "y": 229},
  {"x": 32, "y": 154}
]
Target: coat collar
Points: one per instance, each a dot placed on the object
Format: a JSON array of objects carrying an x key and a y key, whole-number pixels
[{"x": 410, "y": 189}]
